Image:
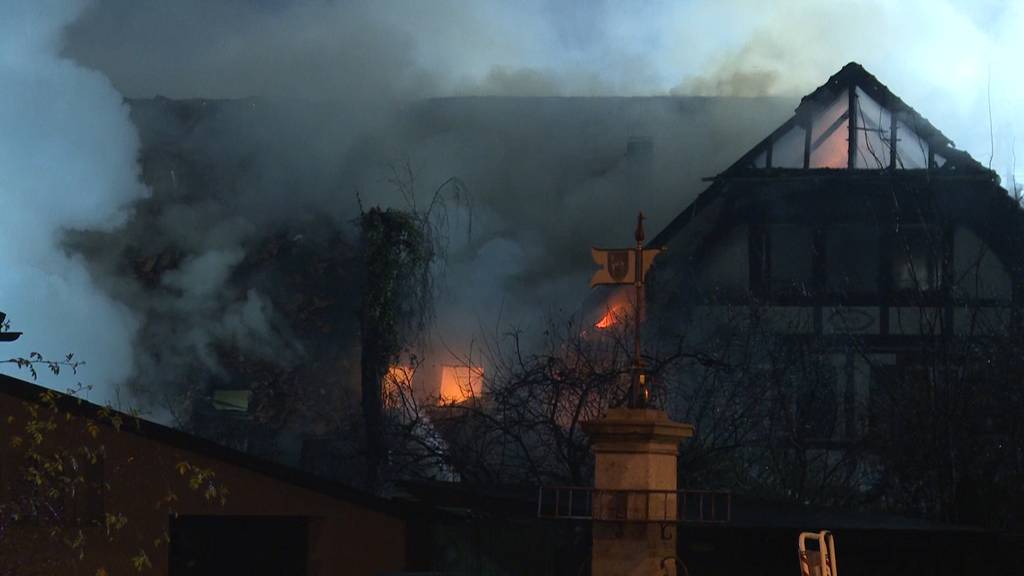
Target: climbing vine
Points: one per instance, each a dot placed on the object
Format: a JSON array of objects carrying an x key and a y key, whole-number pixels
[{"x": 402, "y": 252}]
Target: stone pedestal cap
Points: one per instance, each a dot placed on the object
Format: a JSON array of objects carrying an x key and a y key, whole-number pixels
[{"x": 631, "y": 430}]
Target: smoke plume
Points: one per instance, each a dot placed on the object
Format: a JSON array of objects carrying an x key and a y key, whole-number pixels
[
  {"x": 329, "y": 97},
  {"x": 67, "y": 159}
]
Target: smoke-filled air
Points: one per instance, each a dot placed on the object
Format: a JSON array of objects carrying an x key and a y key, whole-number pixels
[{"x": 172, "y": 170}]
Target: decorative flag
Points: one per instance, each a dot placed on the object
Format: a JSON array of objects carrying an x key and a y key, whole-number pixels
[{"x": 619, "y": 266}]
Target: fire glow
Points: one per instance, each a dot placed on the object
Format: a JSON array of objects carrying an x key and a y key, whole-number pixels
[
  {"x": 399, "y": 375},
  {"x": 617, "y": 309},
  {"x": 397, "y": 384},
  {"x": 460, "y": 383},
  {"x": 612, "y": 317}
]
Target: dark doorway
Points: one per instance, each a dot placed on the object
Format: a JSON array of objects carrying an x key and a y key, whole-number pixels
[{"x": 251, "y": 545}]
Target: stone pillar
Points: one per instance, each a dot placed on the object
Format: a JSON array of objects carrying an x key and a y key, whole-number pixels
[{"x": 635, "y": 452}]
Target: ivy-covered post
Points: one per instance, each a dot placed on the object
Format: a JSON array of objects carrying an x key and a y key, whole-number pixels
[{"x": 396, "y": 257}]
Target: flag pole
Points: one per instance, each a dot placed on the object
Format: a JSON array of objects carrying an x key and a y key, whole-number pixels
[{"x": 637, "y": 387}]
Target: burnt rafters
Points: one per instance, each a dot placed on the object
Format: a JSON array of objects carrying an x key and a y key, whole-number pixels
[
  {"x": 958, "y": 163},
  {"x": 849, "y": 78},
  {"x": 853, "y": 109},
  {"x": 854, "y": 75},
  {"x": 829, "y": 131}
]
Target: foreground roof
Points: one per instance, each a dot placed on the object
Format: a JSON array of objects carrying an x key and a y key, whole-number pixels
[{"x": 72, "y": 405}]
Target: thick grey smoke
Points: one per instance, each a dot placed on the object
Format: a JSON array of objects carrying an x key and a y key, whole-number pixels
[
  {"x": 951, "y": 59},
  {"x": 67, "y": 159},
  {"x": 340, "y": 90}
]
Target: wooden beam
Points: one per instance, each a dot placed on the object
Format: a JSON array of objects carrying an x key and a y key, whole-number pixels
[
  {"x": 807, "y": 141},
  {"x": 759, "y": 256},
  {"x": 831, "y": 129},
  {"x": 893, "y": 123},
  {"x": 947, "y": 274},
  {"x": 819, "y": 279},
  {"x": 851, "y": 159}
]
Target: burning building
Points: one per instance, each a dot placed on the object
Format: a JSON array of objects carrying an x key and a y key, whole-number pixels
[
  {"x": 850, "y": 267},
  {"x": 245, "y": 272},
  {"x": 855, "y": 227},
  {"x": 862, "y": 276}
]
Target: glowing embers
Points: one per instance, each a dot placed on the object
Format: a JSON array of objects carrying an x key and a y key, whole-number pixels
[{"x": 460, "y": 383}]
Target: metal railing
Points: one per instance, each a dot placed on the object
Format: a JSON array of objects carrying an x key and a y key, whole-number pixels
[{"x": 678, "y": 506}]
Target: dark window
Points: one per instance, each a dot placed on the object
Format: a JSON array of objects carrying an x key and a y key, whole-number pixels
[
  {"x": 851, "y": 258},
  {"x": 791, "y": 259},
  {"x": 724, "y": 271},
  {"x": 882, "y": 411},
  {"x": 898, "y": 399},
  {"x": 916, "y": 258},
  {"x": 817, "y": 406}
]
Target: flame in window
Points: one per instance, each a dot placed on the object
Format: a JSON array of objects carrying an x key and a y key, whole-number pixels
[
  {"x": 400, "y": 375},
  {"x": 460, "y": 383},
  {"x": 397, "y": 384}
]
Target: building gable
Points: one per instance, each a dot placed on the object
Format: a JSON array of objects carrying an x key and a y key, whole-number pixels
[{"x": 853, "y": 121}]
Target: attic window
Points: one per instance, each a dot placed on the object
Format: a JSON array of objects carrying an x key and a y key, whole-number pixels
[
  {"x": 911, "y": 150},
  {"x": 829, "y": 133},
  {"x": 761, "y": 160},
  {"x": 788, "y": 149},
  {"x": 882, "y": 135},
  {"x": 874, "y": 133}
]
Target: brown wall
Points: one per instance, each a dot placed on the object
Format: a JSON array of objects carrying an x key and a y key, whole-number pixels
[{"x": 348, "y": 534}]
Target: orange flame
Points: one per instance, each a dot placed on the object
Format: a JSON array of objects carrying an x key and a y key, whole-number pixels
[
  {"x": 460, "y": 383},
  {"x": 400, "y": 375},
  {"x": 617, "y": 308},
  {"x": 611, "y": 318},
  {"x": 397, "y": 383}
]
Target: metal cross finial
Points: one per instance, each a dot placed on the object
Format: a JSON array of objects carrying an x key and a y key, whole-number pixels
[
  {"x": 615, "y": 269},
  {"x": 638, "y": 391}
]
